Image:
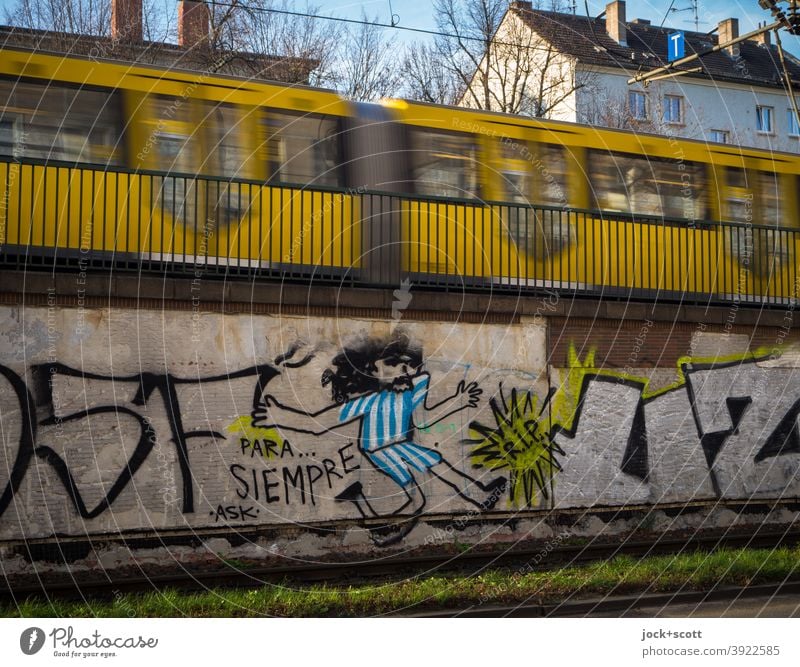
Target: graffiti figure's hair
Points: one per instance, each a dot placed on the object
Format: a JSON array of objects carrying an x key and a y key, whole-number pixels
[
  {"x": 283, "y": 359},
  {"x": 354, "y": 370}
]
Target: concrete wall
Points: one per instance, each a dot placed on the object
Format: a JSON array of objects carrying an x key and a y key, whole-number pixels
[{"x": 116, "y": 420}]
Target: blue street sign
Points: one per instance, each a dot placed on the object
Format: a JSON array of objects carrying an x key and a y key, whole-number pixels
[{"x": 675, "y": 46}]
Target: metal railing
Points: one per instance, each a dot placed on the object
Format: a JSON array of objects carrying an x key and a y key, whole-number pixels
[{"x": 85, "y": 217}]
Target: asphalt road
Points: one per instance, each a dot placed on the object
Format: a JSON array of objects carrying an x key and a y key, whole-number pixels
[{"x": 767, "y": 606}]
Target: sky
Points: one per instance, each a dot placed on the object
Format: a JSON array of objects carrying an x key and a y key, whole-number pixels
[{"x": 419, "y": 14}]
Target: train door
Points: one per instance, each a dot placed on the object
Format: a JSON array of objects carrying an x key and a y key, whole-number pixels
[
  {"x": 312, "y": 226},
  {"x": 740, "y": 278},
  {"x": 452, "y": 234},
  {"x": 773, "y": 241},
  {"x": 231, "y": 160},
  {"x": 176, "y": 151},
  {"x": 535, "y": 181},
  {"x": 162, "y": 140}
]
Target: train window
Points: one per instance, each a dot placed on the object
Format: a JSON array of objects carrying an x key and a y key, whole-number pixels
[
  {"x": 534, "y": 173},
  {"x": 739, "y": 197},
  {"x": 737, "y": 178},
  {"x": 304, "y": 148},
  {"x": 167, "y": 109},
  {"x": 682, "y": 186},
  {"x": 444, "y": 163},
  {"x": 516, "y": 178},
  {"x": 11, "y": 135},
  {"x": 551, "y": 165},
  {"x": 56, "y": 122},
  {"x": 228, "y": 152},
  {"x": 516, "y": 185},
  {"x": 647, "y": 186},
  {"x": 513, "y": 149}
]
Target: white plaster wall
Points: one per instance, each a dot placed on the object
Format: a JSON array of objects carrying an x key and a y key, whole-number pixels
[
  {"x": 708, "y": 106},
  {"x": 542, "y": 72}
]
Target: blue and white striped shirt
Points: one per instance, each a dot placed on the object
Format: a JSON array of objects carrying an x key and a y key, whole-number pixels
[{"x": 386, "y": 414}]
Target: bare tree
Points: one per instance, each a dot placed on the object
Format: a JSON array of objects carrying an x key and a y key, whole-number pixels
[
  {"x": 427, "y": 78},
  {"x": 78, "y": 17},
  {"x": 467, "y": 28},
  {"x": 67, "y": 20},
  {"x": 359, "y": 61},
  {"x": 367, "y": 67},
  {"x": 607, "y": 110},
  {"x": 305, "y": 46},
  {"x": 495, "y": 61}
]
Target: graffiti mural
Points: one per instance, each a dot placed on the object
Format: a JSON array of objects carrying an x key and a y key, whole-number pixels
[
  {"x": 382, "y": 386},
  {"x": 725, "y": 428},
  {"x": 378, "y": 428},
  {"x": 281, "y": 461}
]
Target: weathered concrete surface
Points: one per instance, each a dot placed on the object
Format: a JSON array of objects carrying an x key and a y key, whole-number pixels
[
  {"x": 117, "y": 420},
  {"x": 113, "y": 387}
]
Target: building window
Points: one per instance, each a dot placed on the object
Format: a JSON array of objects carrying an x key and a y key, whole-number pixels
[
  {"x": 764, "y": 119},
  {"x": 673, "y": 109},
  {"x": 637, "y": 105},
  {"x": 719, "y": 136},
  {"x": 794, "y": 125}
]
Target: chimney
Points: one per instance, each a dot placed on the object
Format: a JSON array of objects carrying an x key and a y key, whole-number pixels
[
  {"x": 615, "y": 22},
  {"x": 126, "y": 20},
  {"x": 193, "y": 22},
  {"x": 520, "y": 5},
  {"x": 763, "y": 39},
  {"x": 728, "y": 30}
]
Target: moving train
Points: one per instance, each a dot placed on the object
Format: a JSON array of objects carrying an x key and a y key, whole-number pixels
[{"x": 131, "y": 166}]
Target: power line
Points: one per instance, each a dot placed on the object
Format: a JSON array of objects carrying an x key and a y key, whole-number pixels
[
  {"x": 423, "y": 31},
  {"x": 376, "y": 24}
]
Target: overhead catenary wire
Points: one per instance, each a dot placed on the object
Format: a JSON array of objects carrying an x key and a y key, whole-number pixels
[
  {"x": 394, "y": 25},
  {"x": 376, "y": 24},
  {"x": 395, "y": 18}
]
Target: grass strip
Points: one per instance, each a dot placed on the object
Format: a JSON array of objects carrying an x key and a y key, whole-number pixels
[{"x": 621, "y": 575}]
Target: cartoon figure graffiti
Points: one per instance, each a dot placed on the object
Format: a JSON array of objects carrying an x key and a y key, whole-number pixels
[{"x": 383, "y": 386}]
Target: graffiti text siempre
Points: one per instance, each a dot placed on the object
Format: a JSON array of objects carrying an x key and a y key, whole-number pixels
[{"x": 280, "y": 473}]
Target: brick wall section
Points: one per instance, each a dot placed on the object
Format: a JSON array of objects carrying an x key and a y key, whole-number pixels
[
  {"x": 660, "y": 344},
  {"x": 263, "y": 296}
]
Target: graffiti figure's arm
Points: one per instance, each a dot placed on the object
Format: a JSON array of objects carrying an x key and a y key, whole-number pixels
[
  {"x": 452, "y": 404},
  {"x": 270, "y": 413}
]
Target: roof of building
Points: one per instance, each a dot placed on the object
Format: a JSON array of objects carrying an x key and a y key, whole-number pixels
[
  {"x": 162, "y": 54},
  {"x": 586, "y": 39}
]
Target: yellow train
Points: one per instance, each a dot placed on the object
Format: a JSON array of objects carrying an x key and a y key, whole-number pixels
[{"x": 129, "y": 166}]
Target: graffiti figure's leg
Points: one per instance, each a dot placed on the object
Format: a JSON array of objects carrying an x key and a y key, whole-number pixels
[
  {"x": 408, "y": 513},
  {"x": 355, "y": 494},
  {"x": 483, "y": 496},
  {"x": 415, "y": 502}
]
